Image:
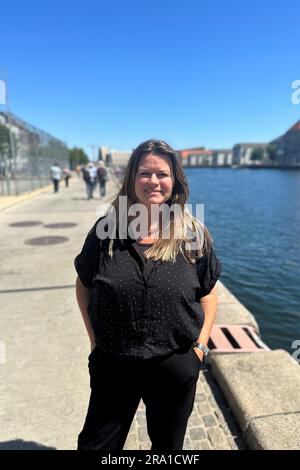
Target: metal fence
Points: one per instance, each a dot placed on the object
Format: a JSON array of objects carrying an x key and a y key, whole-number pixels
[{"x": 26, "y": 155}]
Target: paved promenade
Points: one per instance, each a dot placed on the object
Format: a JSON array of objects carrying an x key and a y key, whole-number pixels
[{"x": 44, "y": 384}]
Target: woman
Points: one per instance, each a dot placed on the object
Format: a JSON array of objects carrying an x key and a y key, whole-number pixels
[{"x": 146, "y": 302}]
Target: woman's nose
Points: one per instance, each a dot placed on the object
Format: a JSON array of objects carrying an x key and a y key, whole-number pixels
[{"x": 153, "y": 178}]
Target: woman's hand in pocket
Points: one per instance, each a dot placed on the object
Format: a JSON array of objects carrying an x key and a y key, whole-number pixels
[{"x": 199, "y": 353}]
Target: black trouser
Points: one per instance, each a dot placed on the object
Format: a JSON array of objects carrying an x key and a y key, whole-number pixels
[
  {"x": 56, "y": 185},
  {"x": 166, "y": 385},
  {"x": 102, "y": 185}
]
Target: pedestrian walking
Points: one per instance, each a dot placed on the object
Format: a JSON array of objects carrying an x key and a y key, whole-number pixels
[
  {"x": 148, "y": 302},
  {"x": 67, "y": 175},
  {"x": 102, "y": 175},
  {"x": 55, "y": 175},
  {"x": 78, "y": 170},
  {"x": 90, "y": 179}
]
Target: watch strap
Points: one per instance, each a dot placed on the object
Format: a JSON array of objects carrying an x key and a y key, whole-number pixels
[{"x": 202, "y": 347}]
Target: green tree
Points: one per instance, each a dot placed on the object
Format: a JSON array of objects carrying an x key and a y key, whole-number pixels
[
  {"x": 257, "y": 154},
  {"x": 77, "y": 156},
  {"x": 272, "y": 152}
]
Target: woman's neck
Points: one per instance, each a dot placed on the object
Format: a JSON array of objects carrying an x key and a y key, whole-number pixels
[{"x": 152, "y": 229}]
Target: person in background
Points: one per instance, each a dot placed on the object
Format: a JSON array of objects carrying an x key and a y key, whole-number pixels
[
  {"x": 55, "y": 175},
  {"x": 67, "y": 175},
  {"x": 149, "y": 303},
  {"x": 78, "y": 170},
  {"x": 90, "y": 178},
  {"x": 102, "y": 177}
]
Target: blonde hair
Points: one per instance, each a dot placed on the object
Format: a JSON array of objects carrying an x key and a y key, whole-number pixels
[{"x": 181, "y": 227}]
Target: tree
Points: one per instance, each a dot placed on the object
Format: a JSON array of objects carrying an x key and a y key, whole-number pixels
[
  {"x": 257, "y": 154},
  {"x": 272, "y": 152},
  {"x": 77, "y": 156}
]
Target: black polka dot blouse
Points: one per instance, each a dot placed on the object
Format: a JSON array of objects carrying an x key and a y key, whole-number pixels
[{"x": 142, "y": 309}]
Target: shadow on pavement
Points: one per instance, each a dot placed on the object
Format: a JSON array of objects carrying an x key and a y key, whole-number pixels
[{"x": 19, "y": 444}]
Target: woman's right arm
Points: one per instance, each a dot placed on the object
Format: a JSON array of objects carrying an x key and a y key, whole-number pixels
[{"x": 83, "y": 295}]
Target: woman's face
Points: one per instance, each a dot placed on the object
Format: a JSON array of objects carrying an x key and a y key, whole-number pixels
[{"x": 154, "y": 180}]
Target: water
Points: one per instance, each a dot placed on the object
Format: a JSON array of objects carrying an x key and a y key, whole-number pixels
[{"x": 254, "y": 219}]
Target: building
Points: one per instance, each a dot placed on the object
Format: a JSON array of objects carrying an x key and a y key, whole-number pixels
[
  {"x": 200, "y": 156},
  {"x": 103, "y": 153},
  {"x": 241, "y": 153},
  {"x": 288, "y": 146},
  {"x": 222, "y": 157},
  {"x": 204, "y": 158},
  {"x": 191, "y": 157},
  {"x": 120, "y": 157}
]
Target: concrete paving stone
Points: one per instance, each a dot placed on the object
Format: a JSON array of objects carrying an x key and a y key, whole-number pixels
[
  {"x": 190, "y": 446},
  {"x": 224, "y": 294},
  {"x": 217, "y": 438},
  {"x": 140, "y": 413},
  {"x": 132, "y": 442},
  {"x": 135, "y": 426},
  {"x": 278, "y": 432},
  {"x": 220, "y": 418},
  {"x": 200, "y": 397},
  {"x": 223, "y": 445},
  {"x": 204, "y": 445},
  {"x": 144, "y": 446},
  {"x": 199, "y": 388},
  {"x": 197, "y": 445},
  {"x": 209, "y": 420},
  {"x": 187, "y": 445},
  {"x": 235, "y": 313},
  {"x": 207, "y": 391},
  {"x": 141, "y": 419},
  {"x": 195, "y": 419},
  {"x": 142, "y": 433},
  {"x": 212, "y": 401},
  {"x": 197, "y": 433},
  {"x": 243, "y": 377},
  {"x": 204, "y": 408},
  {"x": 202, "y": 378}
]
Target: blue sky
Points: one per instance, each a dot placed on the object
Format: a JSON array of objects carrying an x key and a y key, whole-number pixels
[{"x": 119, "y": 72}]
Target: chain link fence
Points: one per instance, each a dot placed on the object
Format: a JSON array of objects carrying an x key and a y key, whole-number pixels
[{"x": 26, "y": 155}]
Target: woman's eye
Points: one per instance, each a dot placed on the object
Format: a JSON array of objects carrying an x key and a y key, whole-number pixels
[{"x": 148, "y": 175}]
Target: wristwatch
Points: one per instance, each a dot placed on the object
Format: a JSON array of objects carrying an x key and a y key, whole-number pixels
[{"x": 202, "y": 348}]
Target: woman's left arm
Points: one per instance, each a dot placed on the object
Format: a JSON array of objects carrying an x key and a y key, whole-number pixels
[{"x": 209, "y": 306}]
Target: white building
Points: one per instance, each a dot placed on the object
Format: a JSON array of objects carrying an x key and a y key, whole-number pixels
[
  {"x": 222, "y": 157},
  {"x": 120, "y": 157},
  {"x": 242, "y": 153}
]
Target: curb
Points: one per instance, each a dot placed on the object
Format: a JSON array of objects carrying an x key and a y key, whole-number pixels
[
  {"x": 262, "y": 390},
  {"x": 9, "y": 201}
]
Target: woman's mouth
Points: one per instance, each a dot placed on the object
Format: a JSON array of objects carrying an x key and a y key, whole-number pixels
[{"x": 152, "y": 192}]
